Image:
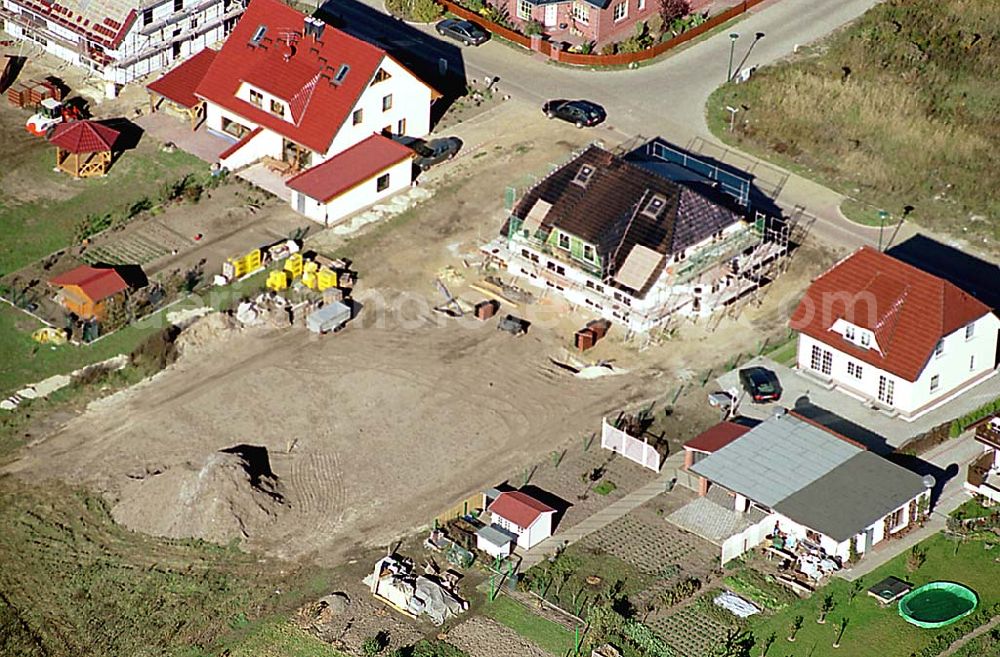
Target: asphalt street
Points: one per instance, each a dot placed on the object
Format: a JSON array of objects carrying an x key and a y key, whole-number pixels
[{"x": 665, "y": 98}]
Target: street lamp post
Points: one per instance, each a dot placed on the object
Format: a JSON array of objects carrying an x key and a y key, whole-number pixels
[{"x": 732, "y": 48}]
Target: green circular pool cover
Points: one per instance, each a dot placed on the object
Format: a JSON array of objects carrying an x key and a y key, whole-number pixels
[{"x": 937, "y": 604}]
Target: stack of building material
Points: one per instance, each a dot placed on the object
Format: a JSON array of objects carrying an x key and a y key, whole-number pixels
[{"x": 588, "y": 336}]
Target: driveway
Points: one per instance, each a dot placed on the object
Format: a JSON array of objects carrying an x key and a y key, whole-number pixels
[{"x": 851, "y": 417}]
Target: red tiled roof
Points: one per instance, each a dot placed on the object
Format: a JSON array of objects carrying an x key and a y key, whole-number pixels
[
  {"x": 350, "y": 168},
  {"x": 519, "y": 508},
  {"x": 906, "y": 308},
  {"x": 97, "y": 283},
  {"x": 83, "y": 137},
  {"x": 717, "y": 437},
  {"x": 180, "y": 82},
  {"x": 288, "y": 73},
  {"x": 240, "y": 143}
]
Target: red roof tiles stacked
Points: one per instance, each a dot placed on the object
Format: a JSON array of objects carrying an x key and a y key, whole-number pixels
[{"x": 908, "y": 310}]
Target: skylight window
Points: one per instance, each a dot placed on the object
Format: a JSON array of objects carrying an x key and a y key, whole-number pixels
[
  {"x": 654, "y": 207},
  {"x": 583, "y": 175},
  {"x": 258, "y": 35},
  {"x": 341, "y": 74}
]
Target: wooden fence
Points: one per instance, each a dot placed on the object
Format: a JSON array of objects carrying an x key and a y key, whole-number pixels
[
  {"x": 544, "y": 47},
  {"x": 464, "y": 507}
]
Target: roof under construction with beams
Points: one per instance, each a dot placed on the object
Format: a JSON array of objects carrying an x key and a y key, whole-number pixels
[{"x": 635, "y": 218}]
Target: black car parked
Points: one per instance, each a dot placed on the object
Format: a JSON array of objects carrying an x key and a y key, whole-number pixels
[
  {"x": 579, "y": 112},
  {"x": 465, "y": 31},
  {"x": 434, "y": 151},
  {"x": 761, "y": 384}
]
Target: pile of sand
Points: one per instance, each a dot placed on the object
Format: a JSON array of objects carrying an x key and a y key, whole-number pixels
[
  {"x": 206, "y": 332},
  {"x": 233, "y": 494}
]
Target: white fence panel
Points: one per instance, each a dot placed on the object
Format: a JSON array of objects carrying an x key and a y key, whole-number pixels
[{"x": 634, "y": 449}]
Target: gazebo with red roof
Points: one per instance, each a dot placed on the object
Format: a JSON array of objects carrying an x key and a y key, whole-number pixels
[{"x": 83, "y": 148}]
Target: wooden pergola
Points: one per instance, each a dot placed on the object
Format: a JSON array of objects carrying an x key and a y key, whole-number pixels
[{"x": 84, "y": 148}]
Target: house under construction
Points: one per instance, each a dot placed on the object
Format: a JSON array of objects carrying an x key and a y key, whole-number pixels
[{"x": 642, "y": 238}]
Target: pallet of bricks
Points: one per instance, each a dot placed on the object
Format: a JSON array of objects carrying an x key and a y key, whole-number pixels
[{"x": 32, "y": 93}]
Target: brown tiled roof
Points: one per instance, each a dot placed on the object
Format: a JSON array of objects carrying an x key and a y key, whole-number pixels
[
  {"x": 906, "y": 308},
  {"x": 607, "y": 211},
  {"x": 716, "y": 437}
]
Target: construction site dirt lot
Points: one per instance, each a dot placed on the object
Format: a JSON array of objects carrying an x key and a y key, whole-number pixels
[{"x": 373, "y": 431}]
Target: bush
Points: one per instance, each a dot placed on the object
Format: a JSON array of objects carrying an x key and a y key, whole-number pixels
[
  {"x": 609, "y": 49},
  {"x": 967, "y": 420},
  {"x": 474, "y": 5},
  {"x": 532, "y": 27},
  {"x": 671, "y": 10},
  {"x": 425, "y": 11}
]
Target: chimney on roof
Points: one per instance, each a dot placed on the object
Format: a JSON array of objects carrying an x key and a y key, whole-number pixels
[
  {"x": 780, "y": 412},
  {"x": 313, "y": 27}
]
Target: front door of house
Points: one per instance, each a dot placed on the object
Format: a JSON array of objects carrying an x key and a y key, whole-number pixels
[
  {"x": 869, "y": 539},
  {"x": 551, "y": 15}
]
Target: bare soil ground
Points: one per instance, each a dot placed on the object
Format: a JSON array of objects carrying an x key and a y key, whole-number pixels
[
  {"x": 484, "y": 637},
  {"x": 373, "y": 431}
]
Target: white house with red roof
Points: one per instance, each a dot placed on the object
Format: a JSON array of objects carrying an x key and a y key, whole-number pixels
[
  {"x": 318, "y": 102},
  {"x": 120, "y": 40},
  {"x": 520, "y": 514},
  {"x": 894, "y": 335}
]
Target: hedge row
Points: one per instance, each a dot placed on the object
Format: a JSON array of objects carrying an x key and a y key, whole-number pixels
[{"x": 967, "y": 420}]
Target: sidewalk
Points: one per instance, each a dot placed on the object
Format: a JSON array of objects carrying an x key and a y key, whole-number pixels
[
  {"x": 605, "y": 516},
  {"x": 959, "y": 450}
]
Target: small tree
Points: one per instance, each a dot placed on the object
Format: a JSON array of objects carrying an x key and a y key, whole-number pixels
[
  {"x": 852, "y": 550},
  {"x": 794, "y": 627},
  {"x": 915, "y": 559},
  {"x": 425, "y": 11},
  {"x": 374, "y": 645},
  {"x": 671, "y": 10},
  {"x": 856, "y": 587},
  {"x": 533, "y": 28},
  {"x": 825, "y": 607}
]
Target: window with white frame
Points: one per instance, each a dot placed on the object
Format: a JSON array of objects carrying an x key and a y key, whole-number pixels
[
  {"x": 588, "y": 252},
  {"x": 866, "y": 339},
  {"x": 849, "y": 333},
  {"x": 621, "y": 11},
  {"x": 581, "y": 13},
  {"x": 642, "y": 4},
  {"x": 970, "y": 330},
  {"x": 854, "y": 369},
  {"x": 564, "y": 241},
  {"x": 935, "y": 381},
  {"x": 524, "y": 10}
]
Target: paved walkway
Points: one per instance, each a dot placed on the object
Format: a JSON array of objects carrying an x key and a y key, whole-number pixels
[
  {"x": 605, "y": 516},
  {"x": 960, "y": 450}
]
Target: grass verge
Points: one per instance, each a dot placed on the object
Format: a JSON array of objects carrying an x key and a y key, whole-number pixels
[{"x": 545, "y": 634}]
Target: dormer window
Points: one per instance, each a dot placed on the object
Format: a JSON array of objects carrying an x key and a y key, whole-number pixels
[
  {"x": 654, "y": 207},
  {"x": 583, "y": 175},
  {"x": 277, "y": 108},
  {"x": 866, "y": 339},
  {"x": 564, "y": 241},
  {"x": 849, "y": 333},
  {"x": 257, "y": 98}
]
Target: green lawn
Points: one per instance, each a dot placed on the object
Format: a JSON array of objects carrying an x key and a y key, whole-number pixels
[
  {"x": 972, "y": 509},
  {"x": 896, "y": 110},
  {"x": 36, "y": 228},
  {"x": 870, "y": 625},
  {"x": 785, "y": 353},
  {"x": 279, "y": 638},
  {"x": 548, "y": 636}
]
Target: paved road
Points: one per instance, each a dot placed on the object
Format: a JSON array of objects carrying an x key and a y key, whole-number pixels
[{"x": 666, "y": 98}]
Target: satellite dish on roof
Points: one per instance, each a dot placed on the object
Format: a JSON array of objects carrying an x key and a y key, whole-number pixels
[{"x": 929, "y": 481}]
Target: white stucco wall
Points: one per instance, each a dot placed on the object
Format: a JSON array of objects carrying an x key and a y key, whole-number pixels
[
  {"x": 748, "y": 539},
  {"x": 952, "y": 367},
  {"x": 527, "y": 537},
  {"x": 411, "y": 100},
  {"x": 356, "y": 198}
]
